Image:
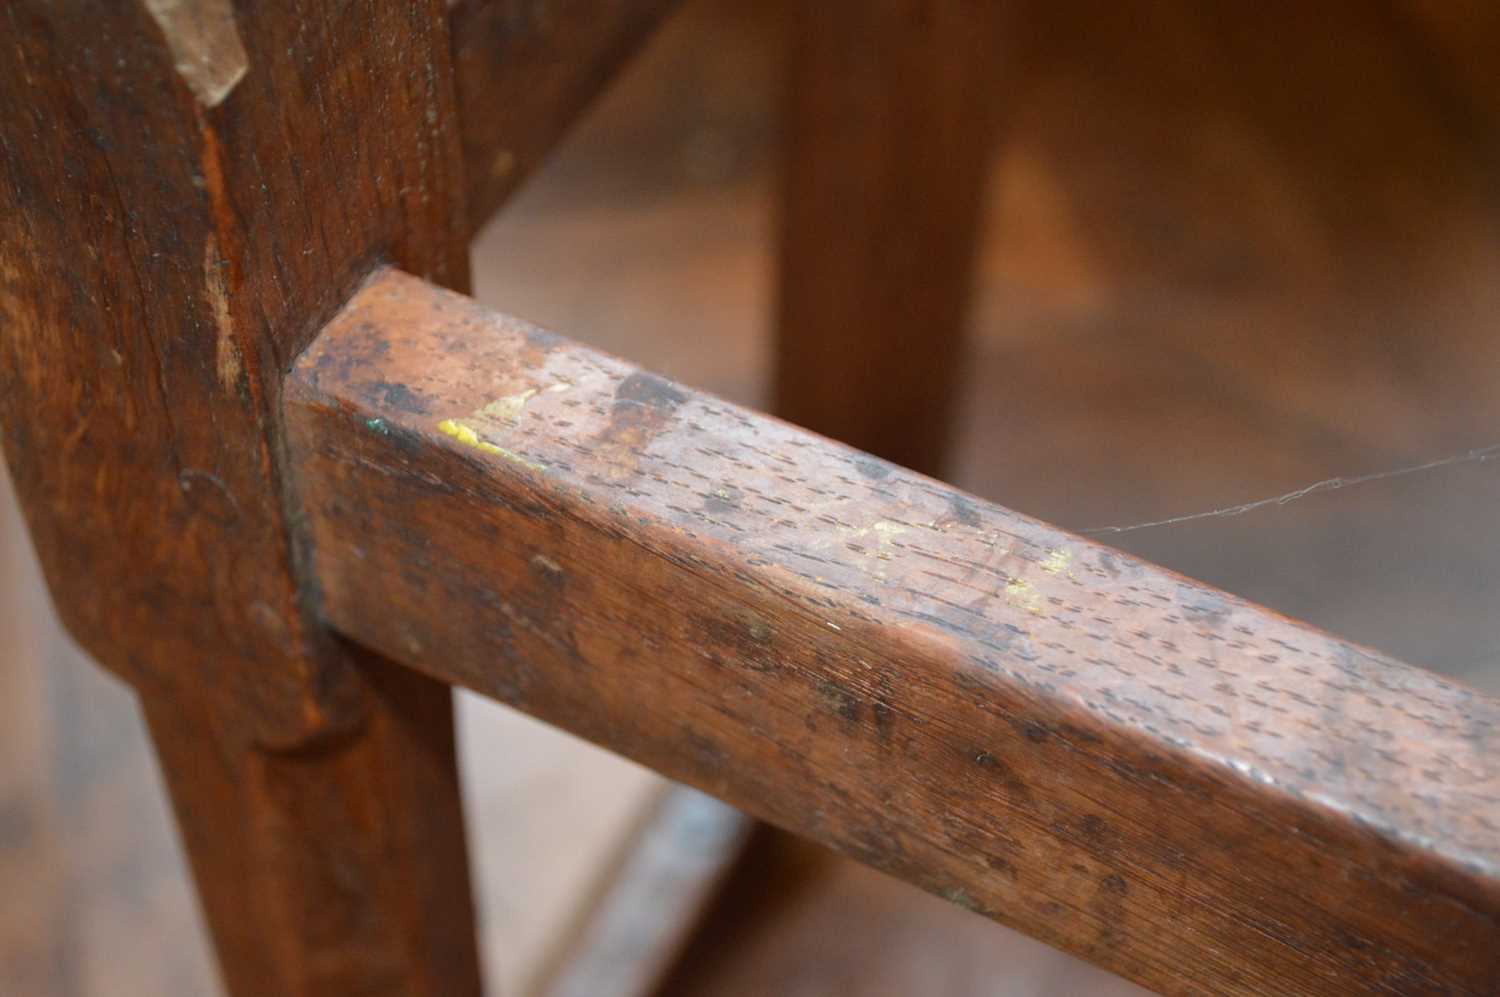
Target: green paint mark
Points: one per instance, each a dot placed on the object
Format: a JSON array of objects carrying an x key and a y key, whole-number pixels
[{"x": 379, "y": 426}]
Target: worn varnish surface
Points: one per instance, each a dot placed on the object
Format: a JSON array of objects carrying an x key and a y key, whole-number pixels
[
  {"x": 525, "y": 70},
  {"x": 185, "y": 197},
  {"x": 1187, "y": 789}
]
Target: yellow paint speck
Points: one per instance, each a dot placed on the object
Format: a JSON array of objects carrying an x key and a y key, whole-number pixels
[
  {"x": 465, "y": 434},
  {"x": 507, "y": 409},
  {"x": 1020, "y": 593},
  {"x": 1057, "y": 561},
  {"x": 888, "y": 530}
]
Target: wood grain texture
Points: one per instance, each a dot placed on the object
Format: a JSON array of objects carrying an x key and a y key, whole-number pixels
[
  {"x": 185, "y": 197},
  {"x": 893, "y": 105},
  {"x": 1182, "y": 787},
  {"x": 525, "y": 71},
  {"x": 162, "y": 262}
]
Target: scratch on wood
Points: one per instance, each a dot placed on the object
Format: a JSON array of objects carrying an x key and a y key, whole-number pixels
[
  {"x": 206, "y": 48},
  {"x": 227, "y": 359}
]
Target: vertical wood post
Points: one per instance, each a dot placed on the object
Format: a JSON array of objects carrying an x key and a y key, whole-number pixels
[
  {"x": 892, "y": 113},
  {"x": 187, "y": 192}
]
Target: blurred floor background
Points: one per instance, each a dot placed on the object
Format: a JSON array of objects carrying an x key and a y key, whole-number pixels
[{"x": 1229, "y": 252}]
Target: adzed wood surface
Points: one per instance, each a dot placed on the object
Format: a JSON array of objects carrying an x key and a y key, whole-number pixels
[{"x": 1180, "y": 786}]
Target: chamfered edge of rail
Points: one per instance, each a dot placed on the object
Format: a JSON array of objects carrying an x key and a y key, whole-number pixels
[{"x": 979, "y": 702}]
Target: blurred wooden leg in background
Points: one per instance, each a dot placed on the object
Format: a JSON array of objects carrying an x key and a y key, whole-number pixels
[{"x": 892, "y": 111}]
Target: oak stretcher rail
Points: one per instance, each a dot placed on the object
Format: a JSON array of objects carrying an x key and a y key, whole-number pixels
[{"x": 1183, "y": 787}]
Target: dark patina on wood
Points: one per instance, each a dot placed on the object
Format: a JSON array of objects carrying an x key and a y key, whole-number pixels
[
  {"x": 1180, "y": 786},
  {"x": 169, "y": 245},
  {"x": 187, "y": 193}
]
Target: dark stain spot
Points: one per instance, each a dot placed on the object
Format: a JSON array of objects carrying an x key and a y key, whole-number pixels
[
  {"x": 836, "y": 699},
  {"x": 741, "y": 639},
  {"x": 885, "y": 720},
  {"x": 646, "y": 389},
  {"x": 513, "y": 680},
  {"x": 1094, "y": 826},
  {"x": 1109, "y": 910},
  {"x": 963, "y": 510},
  {"x": 708, "y": 754},
  {"x": 1034, "y": 732},
  {"x": 1204, "y": 607},
  {"x": 1079, "y": 734},
  {"x": 643, "y": 407},
  {"x": 363, "y": 345},
  {"x": 1001, "y": 866},
  {"x": 453, "y": 343},
  {"x": 872, "y": 467},
  {"x": 876, "y": 846},
  {"x": 540, "y": 338},
  {"x": 1006, "y": 775},
  {"x": 396, "y": 396}
]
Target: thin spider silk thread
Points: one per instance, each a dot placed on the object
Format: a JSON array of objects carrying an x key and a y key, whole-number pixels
[{"x": 1326, "y": 485}]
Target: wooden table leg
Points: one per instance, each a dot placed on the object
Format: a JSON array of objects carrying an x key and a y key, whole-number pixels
[
  {"x": 187, "y": 192},
  {"x": 339, "y": 868},
  {"x": 891, "y": 117}
]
